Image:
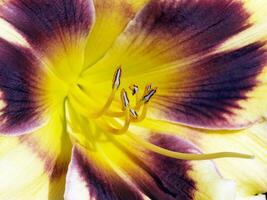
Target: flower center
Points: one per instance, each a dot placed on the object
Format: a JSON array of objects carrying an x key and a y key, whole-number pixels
[
  {"x": 86, "y": 126},
  {"x": 128, "y": 112}
]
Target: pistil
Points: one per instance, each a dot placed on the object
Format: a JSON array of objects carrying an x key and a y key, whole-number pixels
[{"x": 186, "y": 156}]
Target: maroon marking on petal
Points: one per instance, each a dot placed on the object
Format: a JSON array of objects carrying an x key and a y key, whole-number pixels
[
  {"x": 48, "y": 20},
  {"x": 193, "y": 25},
  {"x": 124, "y": 8},
  {"x": 168, "y": 178},
  {"x": 55, "y": 167},
  {"x": 18, "y": 79},
  {"x": 101, "y": 184},
  {"x": 159, "y": 178},
  {"x": 214, "y": 87},
  {"x": 173, "y": 172}
]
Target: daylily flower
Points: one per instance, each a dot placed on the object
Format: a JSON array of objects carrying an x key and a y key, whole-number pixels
[{"x": 133, "y": 99}]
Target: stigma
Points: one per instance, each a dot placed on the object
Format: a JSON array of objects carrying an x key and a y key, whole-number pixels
[{"x": 85, "y": 123}]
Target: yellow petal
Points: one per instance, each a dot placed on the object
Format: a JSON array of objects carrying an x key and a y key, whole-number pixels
[
  {"x": 248, "y": 174},
  {"x": 35, "y": 166},
  {"x": 112, "y": 16}
]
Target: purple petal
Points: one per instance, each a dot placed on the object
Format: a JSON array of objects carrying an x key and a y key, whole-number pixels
[
  {"x": 20, "y": 109},
  {"x": 48, "y": 21}
]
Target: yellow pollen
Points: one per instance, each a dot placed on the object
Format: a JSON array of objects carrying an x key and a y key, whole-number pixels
[{"x": 83, "y": 121}]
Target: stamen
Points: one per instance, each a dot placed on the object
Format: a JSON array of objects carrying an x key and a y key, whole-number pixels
[
  {"x": 135, "y": 92},
  {"x": 150, "y": 94},
  {"x": 121, "y": 130},
  {"x": 117, "y": 79},
  {"x": 143, "y": 114},
  {"x": 104, "y": 109},
  {"x": 124, "y": 99},
  {"x": 133, "y": 113},
  {"x": 187, "y": 156},
  {"x": 115, "y": 87},
  {"x": 147, "y": 89},
  {"x": 146, "y": 98},
  {"x": 114, "y": 114},
  {"x": 79, "y": 98},
  {"x": 134, "y": 89},
  {"x": 107, "y": 105}
]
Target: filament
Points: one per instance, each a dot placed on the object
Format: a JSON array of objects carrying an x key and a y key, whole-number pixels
[
  {"x": 118, "y": 131},
  {"x": 76, "y": 93},
  {"x": 143, "y": 114}
]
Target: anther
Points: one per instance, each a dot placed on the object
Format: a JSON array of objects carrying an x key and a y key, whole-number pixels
[
  {"x": 105, "y": 108},
  {"x": 134, "y": 89},
  {"x": 133, "y": 113},
  {"x": 149, "y": 95},
  {"x": 117, "y": 79},
  {"x": 124, "y": 99}
]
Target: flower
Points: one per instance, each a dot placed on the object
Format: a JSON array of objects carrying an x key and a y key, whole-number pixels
[{"x": 117, "y": 99}]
